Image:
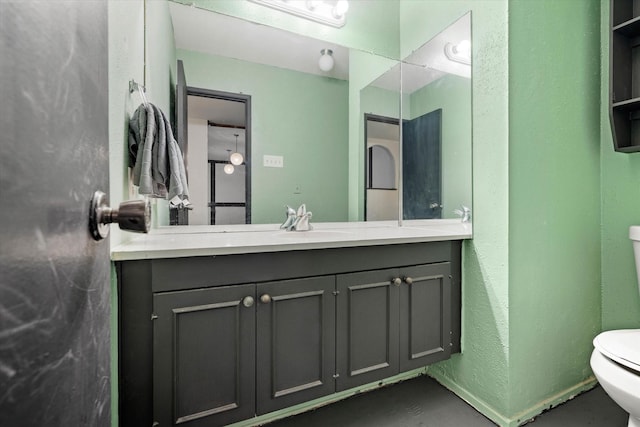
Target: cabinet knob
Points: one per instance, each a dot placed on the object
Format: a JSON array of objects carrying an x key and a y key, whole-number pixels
[
  {"x": 265, "y": 299},
  {"x": 396, "y": 281},
  {"x": 408, "y": 280},
  {"x": 248, "y": 301}
]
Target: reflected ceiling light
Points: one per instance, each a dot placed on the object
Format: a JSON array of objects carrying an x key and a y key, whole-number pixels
[
  {"x": 328, "y": 12},
  {"x": 341, "y": 8},
  {"x": 326, "y": 60},
  {"x": 228, "y": 168},
  {"x": 236, "y": 158},
  {"x": 460, "y": 52}
]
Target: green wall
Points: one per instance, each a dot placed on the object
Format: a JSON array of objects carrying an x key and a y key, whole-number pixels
[
  {"x": 126, "y": 62},
  {"x": 300, "y": 116},
  {"x": 620, "y": 176},
  {"x": 554, "y": 197}
]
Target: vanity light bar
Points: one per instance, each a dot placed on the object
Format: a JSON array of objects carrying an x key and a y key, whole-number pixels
[{"x": 315, "y": 10}]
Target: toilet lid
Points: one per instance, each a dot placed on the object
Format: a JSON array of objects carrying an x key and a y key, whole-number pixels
[{"x": 622, "y": 346}]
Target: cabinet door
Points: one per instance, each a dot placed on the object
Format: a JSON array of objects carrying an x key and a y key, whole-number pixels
[
  {"x": 367, "y": 333},
  {"x": 425, "y": 315},
  {"x": 295, "y": 342},
  {"x": 204, "y": 356}
]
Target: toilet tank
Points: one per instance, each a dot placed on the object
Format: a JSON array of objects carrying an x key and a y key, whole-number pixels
[{"x": 634, "y": 235}]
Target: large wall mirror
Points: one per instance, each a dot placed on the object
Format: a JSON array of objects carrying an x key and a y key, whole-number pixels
[
  {"x": 435, "y": 154},
  {"x": 303, "y": 124}
]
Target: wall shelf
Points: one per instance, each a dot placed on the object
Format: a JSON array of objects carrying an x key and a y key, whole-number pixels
[
  {"x": 624, "y": 76},
  {"x": 630, "y": 28}
]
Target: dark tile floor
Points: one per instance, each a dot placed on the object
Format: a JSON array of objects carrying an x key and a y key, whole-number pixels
[{"x": 423, "y": 402}]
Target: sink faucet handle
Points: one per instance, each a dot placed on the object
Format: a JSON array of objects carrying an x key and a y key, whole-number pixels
[
  {"x": 290, "y": 220},
  {"x": 464, "y": 213}
]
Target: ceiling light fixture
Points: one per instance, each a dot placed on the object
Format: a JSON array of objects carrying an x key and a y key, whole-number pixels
[
  {"x": 236, "y": 158},
  {"x": 460, "y": 52},
  {"x": 328, "y": 12},
  {"x": 228, "y": 168},
  {"x": 326, "y": 60}
]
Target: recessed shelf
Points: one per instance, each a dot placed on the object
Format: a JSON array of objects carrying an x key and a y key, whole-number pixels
[
  {"x": 630, "y": 28},
  {"x": 624, "y": 62},
  {"x": 629, "y": 149},
  {"x": 627, "y": 105}
]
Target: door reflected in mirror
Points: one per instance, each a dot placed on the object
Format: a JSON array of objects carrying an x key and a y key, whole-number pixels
[
  {"x": 382, "y": 135},
  {"x": 435, "y": 83},
  {"x": 436, "y": 115},
  {"x": 217, "y": 147}
]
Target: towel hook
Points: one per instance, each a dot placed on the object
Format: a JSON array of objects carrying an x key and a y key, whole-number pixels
[{"x": 133, "y": 86}]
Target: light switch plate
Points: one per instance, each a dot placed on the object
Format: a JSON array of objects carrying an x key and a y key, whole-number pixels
[{"x": 273, "y": 161}]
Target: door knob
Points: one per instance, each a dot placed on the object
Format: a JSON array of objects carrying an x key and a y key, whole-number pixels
[
  {"x": 408, "y": 280},
  {"x": 132, "y": 215},
  {"x": 396, "y": 281},
  {"x": 247, "y": 301}
]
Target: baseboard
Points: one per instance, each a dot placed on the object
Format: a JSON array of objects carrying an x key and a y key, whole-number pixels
[
  {"x": 480, "y": 405},
  {"x": 555, "y": 400},
  {"x": 326, "y": 400},
  {"x": 521, "y": 418}
]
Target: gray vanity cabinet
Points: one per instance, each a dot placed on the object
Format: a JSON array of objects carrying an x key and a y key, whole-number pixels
[
  {"x": 220, "y": 351},
  {"x": 204, "y": 356},
  {"x": 295, "y": 342},
  {"x": 425, "y": 334},
  {"x": 206, "y": 341},
  {"x": 391, "y": 321},
  {"x": 367, "y": 339}
]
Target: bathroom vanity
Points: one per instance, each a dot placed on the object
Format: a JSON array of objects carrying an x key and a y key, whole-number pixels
[{"x": 216, "y": 328}]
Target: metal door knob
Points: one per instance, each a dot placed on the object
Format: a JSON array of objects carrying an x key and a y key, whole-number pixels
[
  {"x": 408, "y": 280},
  {"x": 132, "y": 215},
  {"x": 396, "y": 281},
  {"x": 248, "y": 301}
]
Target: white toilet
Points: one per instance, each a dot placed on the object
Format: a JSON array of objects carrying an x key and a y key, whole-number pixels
[{"x": 616, "y": 358}]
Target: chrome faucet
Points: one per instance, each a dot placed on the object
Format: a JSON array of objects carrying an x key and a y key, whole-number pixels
[{"x": 297, "y": 220}]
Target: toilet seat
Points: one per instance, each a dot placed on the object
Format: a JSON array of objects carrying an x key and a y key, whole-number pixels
[{"x": 621, "y": 346}]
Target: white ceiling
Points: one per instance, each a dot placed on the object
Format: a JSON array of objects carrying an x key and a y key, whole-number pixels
[{"x": 220, "y": 111}]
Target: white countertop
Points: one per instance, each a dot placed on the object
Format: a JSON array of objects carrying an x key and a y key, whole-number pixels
[{"x": 188, "y": 241}]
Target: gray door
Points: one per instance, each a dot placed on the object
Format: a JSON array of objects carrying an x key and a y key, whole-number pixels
[
  {"x": 204, "y": 356},
  {"x": 425, "y": 315},
  {"x": 295, "y": 342},
  {"x": 367, "y": 327},
  {"x": 54, "y": 279},
  {"x": 421, "y": 167}
]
